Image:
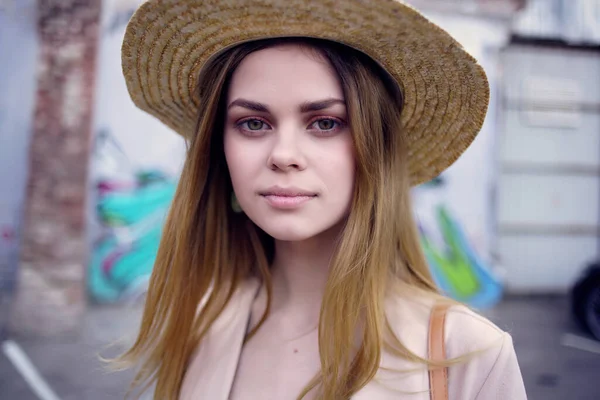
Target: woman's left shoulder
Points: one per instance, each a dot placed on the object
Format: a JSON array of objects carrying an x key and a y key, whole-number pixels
[
  {"x": 486, "y": 363},
  {"x": 466, "y": 331},
  {"x": 490, "y": 369}
]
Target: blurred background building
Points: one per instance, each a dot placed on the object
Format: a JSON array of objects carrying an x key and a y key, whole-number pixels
[{"x": 86, "y": 178}]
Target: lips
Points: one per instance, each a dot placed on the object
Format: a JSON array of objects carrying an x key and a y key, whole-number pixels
[
  {"x": 287, "y": 192},
  {"x": 287, "y": 198}
]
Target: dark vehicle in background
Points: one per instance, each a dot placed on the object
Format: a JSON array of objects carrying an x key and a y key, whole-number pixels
[{"x": 585, "y": 299}]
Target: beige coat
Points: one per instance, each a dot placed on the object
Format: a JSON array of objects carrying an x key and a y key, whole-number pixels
[{"x": 492, "y": 374}]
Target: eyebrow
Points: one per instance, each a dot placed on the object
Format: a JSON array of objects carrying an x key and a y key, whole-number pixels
[
  {"x": 320, "y": 105},
  {"x": 250, "y": 105},
  {"x": 304, "y": 108}
]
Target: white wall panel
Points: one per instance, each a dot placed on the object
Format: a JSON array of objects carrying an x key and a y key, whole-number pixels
[
  {"x": 523, "y": 143},
  {"x": 548, "y": 190},
  {"x": 548, "y": 200},
  {"x": 544, "y": 263}
]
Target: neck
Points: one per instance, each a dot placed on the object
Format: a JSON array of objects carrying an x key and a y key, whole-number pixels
[{"x": 300, "y": 271}]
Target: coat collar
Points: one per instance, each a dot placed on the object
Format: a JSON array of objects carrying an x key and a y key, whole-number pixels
[{"x": 213, "y": 366}]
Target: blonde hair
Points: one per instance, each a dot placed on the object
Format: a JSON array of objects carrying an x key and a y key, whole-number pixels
[{"x": 207, "y": 250}]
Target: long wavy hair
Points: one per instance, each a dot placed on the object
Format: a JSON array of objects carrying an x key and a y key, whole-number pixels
[{"x": 207, "y": 250}]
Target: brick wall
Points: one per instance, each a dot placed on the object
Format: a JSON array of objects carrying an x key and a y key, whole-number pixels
[{"x": 50, "y": 297}]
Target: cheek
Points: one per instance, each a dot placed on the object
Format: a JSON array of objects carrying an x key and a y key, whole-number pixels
[
  {"x": 241, "y": 163},
  {"x": 340, "y": 168},
  {"x": 347, "y": 176},
  {"x": 232, "y": 155}
]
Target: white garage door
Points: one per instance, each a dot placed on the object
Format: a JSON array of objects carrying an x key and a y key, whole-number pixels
[{"x": 548, "y": 194}]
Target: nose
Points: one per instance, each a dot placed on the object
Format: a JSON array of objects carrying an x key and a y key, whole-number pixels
[{"x": 286, "y": 152}]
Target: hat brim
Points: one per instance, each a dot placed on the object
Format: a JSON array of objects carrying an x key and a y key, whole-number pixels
[{"x": 445, "y": 90}]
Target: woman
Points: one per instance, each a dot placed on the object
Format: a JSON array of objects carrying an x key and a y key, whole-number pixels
[{"x": 290, "y": 266}]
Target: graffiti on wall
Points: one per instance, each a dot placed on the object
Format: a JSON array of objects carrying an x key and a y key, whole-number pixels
[
  {"x": 123, "y": 258},
  {"x": 456, "y": 267},
  {"x": 134, "y": 170},
  {"x": 131, "y": 206}
]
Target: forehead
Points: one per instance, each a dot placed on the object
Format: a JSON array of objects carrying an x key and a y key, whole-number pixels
[{"x": 285, "y": 72}]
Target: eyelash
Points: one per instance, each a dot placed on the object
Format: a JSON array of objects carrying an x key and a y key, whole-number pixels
[{"x": 339, "y": 122}]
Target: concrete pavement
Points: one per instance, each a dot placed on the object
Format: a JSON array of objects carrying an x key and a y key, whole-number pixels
[{"x": 551, "y": 370}]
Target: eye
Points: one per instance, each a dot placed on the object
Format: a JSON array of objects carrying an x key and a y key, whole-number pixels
[
  {"x": 253, "y": 124},
  {"x": 328, "y": 125}
]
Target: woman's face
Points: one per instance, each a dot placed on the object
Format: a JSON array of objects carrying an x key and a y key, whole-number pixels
[{"x": 287, "y": 142}]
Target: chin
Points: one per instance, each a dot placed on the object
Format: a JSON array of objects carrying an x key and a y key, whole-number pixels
[
  {"x": 292, "y": 227},
  {"x": 289, "y": 233}
]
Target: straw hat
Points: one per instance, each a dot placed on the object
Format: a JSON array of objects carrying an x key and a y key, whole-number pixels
[{"x": 445, "y": 91}]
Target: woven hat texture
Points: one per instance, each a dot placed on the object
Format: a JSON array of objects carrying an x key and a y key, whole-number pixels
[{"x": 445, "y": 90}]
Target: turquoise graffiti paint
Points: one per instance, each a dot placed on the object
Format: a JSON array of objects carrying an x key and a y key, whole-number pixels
[{"x": 133, "y": 218}]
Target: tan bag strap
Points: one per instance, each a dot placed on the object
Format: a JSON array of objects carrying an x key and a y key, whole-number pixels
[{"x": 438, "y": 378}]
